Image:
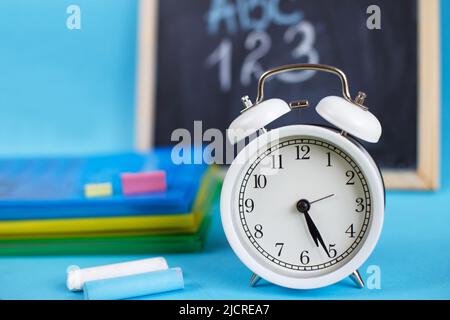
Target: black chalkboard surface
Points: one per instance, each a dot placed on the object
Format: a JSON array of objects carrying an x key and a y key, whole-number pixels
[{"x": 211, "y": 53}]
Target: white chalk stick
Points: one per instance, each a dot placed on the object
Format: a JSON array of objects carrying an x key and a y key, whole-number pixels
[{"x": 76, "y": 277}]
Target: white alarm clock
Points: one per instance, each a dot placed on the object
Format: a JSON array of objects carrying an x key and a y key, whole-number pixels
[{"x": 302, "y": 206}]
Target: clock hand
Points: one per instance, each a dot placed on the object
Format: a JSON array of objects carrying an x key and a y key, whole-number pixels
[
  {"x": 303, "y": 206},
  {"x": 311, "y": 228},
  {"x": 316, "y": 237},
  {"x": 329, "y": 196}
]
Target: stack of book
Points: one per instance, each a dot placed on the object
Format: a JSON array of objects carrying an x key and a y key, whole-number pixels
[{"x": 45, "y": 207}]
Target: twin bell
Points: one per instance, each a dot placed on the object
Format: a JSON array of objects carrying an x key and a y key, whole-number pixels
[{"x": 349, "y": 116}]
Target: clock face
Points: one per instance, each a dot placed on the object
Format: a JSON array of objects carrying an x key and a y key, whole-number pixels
[{"x": 302, "y": 207}]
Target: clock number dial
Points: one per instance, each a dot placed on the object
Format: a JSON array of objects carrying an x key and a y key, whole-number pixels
[
  {"x": 258, "y": 231},
  {"x": 359, "y": 205},
  {"x": 329, "y": 159},
  {"x": 304, "y": 258},
  {"x": 277, "y": 161},
  {"x": 260, "y": 181},
  {"x": 281, "y": 246},
  {"x": 287, "y": 240},
  {"x": 350, "y": 231},
  {"x": 331, "y": 251},
  {"x": 351, "y": 177},
  {"x": 303, "y": 152},
  {"x": 249, "y": 205}
]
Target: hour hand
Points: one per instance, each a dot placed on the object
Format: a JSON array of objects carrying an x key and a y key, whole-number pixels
[
  {"x": 315, "y": 233},
  {"x": 311, "y": 228},
  {"x": 303, "y": 206}
]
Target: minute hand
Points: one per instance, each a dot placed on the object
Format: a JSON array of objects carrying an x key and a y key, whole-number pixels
[{"x": 315, "y": 234}]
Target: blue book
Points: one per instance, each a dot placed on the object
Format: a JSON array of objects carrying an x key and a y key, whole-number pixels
[{"x": 49, "y": 188}]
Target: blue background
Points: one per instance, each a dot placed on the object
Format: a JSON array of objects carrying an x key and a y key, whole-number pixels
[
  {"x": 414, "y": 250},
  {"x": 66, "y": 91}
]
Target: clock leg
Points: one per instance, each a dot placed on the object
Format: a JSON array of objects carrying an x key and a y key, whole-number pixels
[
  {"x": 356, "y": 277},
  {"x": 254, "y": 280}
]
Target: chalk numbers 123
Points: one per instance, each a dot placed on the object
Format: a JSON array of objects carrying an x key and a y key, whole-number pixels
[{"x": 258, "y": 43}]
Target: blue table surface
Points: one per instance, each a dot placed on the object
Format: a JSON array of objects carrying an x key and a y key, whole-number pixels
[{"x": 413, "y": 255}]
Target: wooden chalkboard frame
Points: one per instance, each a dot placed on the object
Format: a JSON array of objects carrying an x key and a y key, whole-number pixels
[{"x": 426, "y": 175}]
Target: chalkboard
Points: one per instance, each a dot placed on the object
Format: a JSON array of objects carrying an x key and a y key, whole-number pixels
[{"x": 210, "y": 53}]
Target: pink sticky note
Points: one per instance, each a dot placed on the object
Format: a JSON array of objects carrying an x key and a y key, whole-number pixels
[{"x": 143, "y": 182}]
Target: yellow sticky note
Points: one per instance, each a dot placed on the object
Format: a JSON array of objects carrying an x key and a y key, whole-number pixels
[{"x": 92, "y": 190}]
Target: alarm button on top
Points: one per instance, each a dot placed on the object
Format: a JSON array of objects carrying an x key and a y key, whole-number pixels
[
  {"x": 256, "y": 117},
  {"x": 350, "y": 118}
]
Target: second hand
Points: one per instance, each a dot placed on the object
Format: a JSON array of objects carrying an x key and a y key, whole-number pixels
[{"x": 329, "y": 196}]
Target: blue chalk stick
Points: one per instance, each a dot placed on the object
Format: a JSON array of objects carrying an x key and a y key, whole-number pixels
[{"x": 135, "y": 285}]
